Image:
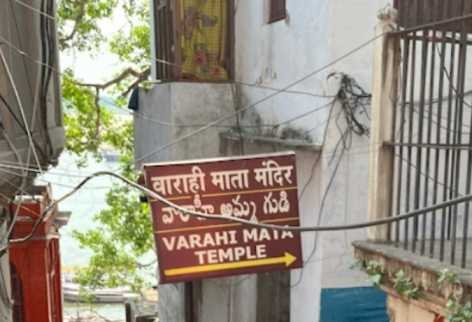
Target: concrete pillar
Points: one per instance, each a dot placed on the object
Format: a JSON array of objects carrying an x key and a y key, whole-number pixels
[
  {"x": 384, "y": 87},
  {"x": 404, "y": 311},
  {"x": 186, "y": 103}
]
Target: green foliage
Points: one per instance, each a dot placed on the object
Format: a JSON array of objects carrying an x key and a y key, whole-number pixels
[
  {"x": 359, "y": 264},
  {"x": 134, "y": 46},
  {"x": 375, "y": 271},
  {"x": 78, "y": 22},
  {"x": 86, "y": 296},
  {"x": 447, "y": 277},
  {"x": 89, "y": 125},
  {"x": 456, "y": 311},
  {"x": 459, "y": 312},
  {"x": 402, "y": 284},
  {"x": 124, "y": 232},
  {"x": 405, "y": 286}
]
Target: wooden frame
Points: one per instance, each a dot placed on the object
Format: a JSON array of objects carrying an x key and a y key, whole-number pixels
[{"x": 276, "y": 10}]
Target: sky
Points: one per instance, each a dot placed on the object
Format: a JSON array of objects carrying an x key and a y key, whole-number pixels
[
  {"x": 90, "y": 200},
  {"x": 99, "y": 67}
]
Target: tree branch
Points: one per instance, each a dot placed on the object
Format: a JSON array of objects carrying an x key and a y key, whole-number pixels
[
  {"x": 144, "y": 75},
  {"x": 78, "y": 18},
  {"x": 118, "y": 79},
  {"x": 98, "y": 119},
  {"x": 140, "y": 77}
]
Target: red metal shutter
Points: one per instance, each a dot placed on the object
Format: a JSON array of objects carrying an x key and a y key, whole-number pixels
[
  {"x": 17, "y": 290},
  {"x": 277, "y": 10}
]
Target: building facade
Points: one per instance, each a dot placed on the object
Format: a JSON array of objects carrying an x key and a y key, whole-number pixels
[
  {"x": 420, "y": 176},
  {"x": 32, "y": 134},
  {"x": 246, "y": 77}
]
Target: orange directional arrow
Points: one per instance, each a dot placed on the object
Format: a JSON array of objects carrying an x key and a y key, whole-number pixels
[{"x": 288, "y": 259}]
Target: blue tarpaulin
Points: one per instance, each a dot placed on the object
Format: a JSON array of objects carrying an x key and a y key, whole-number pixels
[{"x": 360, "y": 304}]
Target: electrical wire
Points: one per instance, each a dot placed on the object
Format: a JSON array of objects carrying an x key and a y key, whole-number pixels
[
  {"x": 317, "y": 160},
  {"x": 21, "y": 3},
  {"x": 250, "y": 223},
  {"x": 33, "y": 146},
  {"x": 220, "y": 120},
  {"x": 18, "y": 1},
  {"x": 362, "y": 150},
  {"x": 142, "y": 115},
  {"x": 20, "y": 106},
  {"x": 21, "y": 43},
  {"x": 170, "y": 124},
  {"x": 262, "y": 100},
  {"x": 54, "y": 183},
  {"x": 219, "y": 217},
  {"x": 13, "y": 165},
  {"x": 271, "y": 88},
  {"x": 48, "y": 56},
  {"x": 350, "y": 96},
  {"x": 161, "y": 61},
  {"x": 9, "y": 230},
  {"x": 276, "y": 92},
  {"x": 326, "y": 193},
  {"x": 17, "y": 120},
  {"x": 320, "y": 215},
  {"x": 451, "y": 82},
  {"x": 4, "y": 41}
]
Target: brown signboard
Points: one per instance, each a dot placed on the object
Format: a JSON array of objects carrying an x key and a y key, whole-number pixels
[{"x": 261, "y": 189}]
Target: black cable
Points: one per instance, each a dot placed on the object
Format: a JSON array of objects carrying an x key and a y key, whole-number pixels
[
  {"x": 26, "y": 70},
  {"x": 321, "y": 210},
  {"x": 350, "y": 94},
  {"x": 323, "y": 141},
  {"x": 21, "y": 44},
  {"x": 152, "y": 194},
  {"x": 20, "y": 123},
  {"x": 48, "y": 60},
  {"x": 10, "y": 110}
]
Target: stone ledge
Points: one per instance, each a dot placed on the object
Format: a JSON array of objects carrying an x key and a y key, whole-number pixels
[
  {"x": 287, "y": 143},
  {"x": 423, "y": 271}
]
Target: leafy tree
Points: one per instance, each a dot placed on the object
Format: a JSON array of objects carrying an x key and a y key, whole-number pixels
[{"x": 124, "y": 233}]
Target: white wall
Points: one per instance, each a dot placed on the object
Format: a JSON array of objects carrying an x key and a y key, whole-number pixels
[
  {"x": 305, "y": 283},
  {"x": 316, "y": 33},
  {"x": 180, "y": 103}
]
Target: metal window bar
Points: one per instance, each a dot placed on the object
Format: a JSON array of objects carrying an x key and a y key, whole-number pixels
[
  {"x": 432, "y": 140},
  {"x": 164, "y": 39}
]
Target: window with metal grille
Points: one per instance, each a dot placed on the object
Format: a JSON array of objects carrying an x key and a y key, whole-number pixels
[{"x": 277, "y": 10}]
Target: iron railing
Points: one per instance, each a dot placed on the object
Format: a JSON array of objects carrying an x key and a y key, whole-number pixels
[
  {"x": 164, "y": 37},
  {"x": 432, "y": 141}
]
